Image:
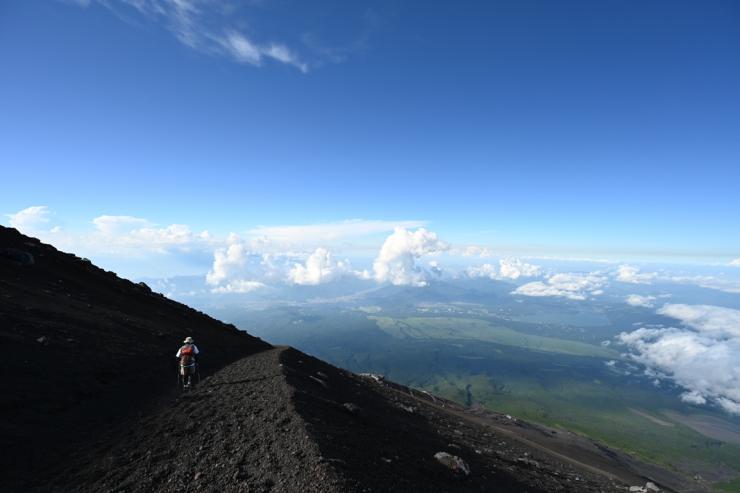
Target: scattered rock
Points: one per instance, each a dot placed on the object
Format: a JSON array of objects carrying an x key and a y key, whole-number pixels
[
  {"x": 319, "y": 381},
  {"x": 373, "y": 376},
  {"x": 351, "y": 407},
  {"x": 408, "y": 409},
  {"x": 453, "y": 462},
  {"x": 650, "y": 486},
  {"x": 43, "y": 340},
  {"x": 529, "y": 462}
]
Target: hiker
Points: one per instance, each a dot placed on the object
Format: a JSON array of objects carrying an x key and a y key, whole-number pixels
[{"x": 188, "y": 356}]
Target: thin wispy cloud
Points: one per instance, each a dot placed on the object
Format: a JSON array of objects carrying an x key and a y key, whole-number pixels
[{"x": 206, "y": 26}]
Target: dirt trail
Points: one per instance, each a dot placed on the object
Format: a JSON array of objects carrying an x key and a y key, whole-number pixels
[{"x": 238, "y": 431}]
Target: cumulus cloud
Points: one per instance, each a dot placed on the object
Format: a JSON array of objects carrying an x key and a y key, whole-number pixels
[
  {"x": 320, "y": 267},
  {"x": 640, "y": 300},
  {"x": 396, "y": 262},
  {"x": 30, "y": 220},
  {"x": 735, "y": 262},
  {"x": 227, "y": 262},
  {"x": 206, "y": 29},
  {"x": 701, "y": 356},
  {"x": 508, "y": 268},
  {"x": 631, "y": 274},
  {"x": 572, "y": 286},
  {"x": 514, "y": 268}
]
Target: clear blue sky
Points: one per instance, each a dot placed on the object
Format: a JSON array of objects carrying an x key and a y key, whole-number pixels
[{"x": 589, "y": 125}]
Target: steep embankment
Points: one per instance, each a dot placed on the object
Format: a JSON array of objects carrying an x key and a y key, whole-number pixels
[
  {"x": 83, "y": 349},
  {"x": 283, "y": 421}
]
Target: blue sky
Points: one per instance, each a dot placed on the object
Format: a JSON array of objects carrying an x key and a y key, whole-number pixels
[{"x": 587, "y": 128}]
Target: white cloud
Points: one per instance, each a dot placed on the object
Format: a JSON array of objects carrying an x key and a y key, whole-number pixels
[
  {"x": 205, "y": 29},
  {"x": 474, "y": 251},
  {"x": 131, "y": 236},
  {"x": 514, "y": 268},
  {"x": 735, "y": 262},
  {"x": 572, "y": 286},
  {"x": 508, "y": 268},
  {"x": 226, "y": 262},
  {"x": 245, "y": 50},
  {"x": 327, "y": 232},
  {"x": 693, "y": 398},
  {"x": 628, "y": 273},
  {"x": 707, "y": 282},
  {"x": 31, "y": 219},
  {"x": 320, "y": 268},
  {"x": 716, "y": 320},
  {"x": 396, "y": 262},
  {"x": 116, "y": 225},
  {"x": 640, "y": 300},
  {"x": 240, "y": 286},
  {"x": 485, "y": 270},
  {"x": 701, "y": 357}
]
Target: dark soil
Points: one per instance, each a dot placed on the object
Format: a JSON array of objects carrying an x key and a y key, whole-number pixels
[{"x": 82, "y": 350}]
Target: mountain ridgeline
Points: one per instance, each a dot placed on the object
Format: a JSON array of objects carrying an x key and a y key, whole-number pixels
[{"x": 90, "y": 404}]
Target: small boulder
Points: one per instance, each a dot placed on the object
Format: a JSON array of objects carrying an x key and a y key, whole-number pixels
[
  {"x": 351, "y": 407},
  {"x": 43, "y": 340},
  {"x": 650, "y": 486},
  {"x": 453, "y": 462}
]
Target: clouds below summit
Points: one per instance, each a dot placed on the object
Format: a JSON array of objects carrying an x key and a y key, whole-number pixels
[
  {"x": 577, "y": 287},
  {"x": 701, "y": 356},
  {"x": 508, "y": 268},
  {"x": 396, "y": 262}
]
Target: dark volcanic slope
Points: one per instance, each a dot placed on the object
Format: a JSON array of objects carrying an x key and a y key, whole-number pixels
[
  {"x": 281, "y": 421},
  {"x": 83, "y": 348}
]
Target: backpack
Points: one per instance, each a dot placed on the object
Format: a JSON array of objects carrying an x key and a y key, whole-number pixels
[{"x": 187, "y": 355}]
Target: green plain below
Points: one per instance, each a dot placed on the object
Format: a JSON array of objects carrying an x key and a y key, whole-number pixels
[{"x": 481, "y": 330}]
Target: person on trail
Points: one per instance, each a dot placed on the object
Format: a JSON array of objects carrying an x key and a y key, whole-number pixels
[{"x": 188, "y": 356}]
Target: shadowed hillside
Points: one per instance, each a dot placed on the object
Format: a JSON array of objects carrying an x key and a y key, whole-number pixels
[{"x": 83, "y": 348}]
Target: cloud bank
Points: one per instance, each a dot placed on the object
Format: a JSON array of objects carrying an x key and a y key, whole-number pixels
[
  {"x": 701, "y": 356},
  {"x": 628, "y": 273},
  {"x": 30, "y": 219},
  {"x": 577, "y": 287},
  {"x": 320, "y": 267},
  {"x": 508, "y": 268}
]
